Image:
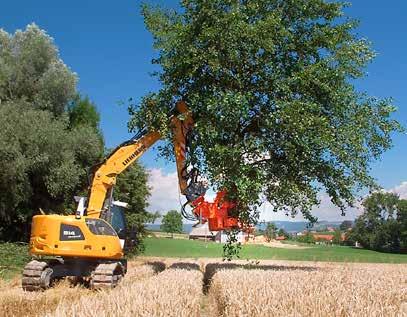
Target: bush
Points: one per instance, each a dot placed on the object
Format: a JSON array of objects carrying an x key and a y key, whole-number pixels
[{"x": 306, "y": 238}]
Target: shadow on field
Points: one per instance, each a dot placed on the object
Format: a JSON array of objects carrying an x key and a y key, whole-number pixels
[
  {"x": 212, "y": 268},
  {"x": 185, "y": 266},
  {"x": 157, "y": 266}
]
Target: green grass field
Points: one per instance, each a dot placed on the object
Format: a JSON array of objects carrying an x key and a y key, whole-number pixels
[
  {"x": 14, "y": 256},
  {"x": 162, "y": 247},
  {"x": 161, "y": 234}
]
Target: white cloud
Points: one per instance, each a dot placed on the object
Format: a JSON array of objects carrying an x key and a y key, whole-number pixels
[
  {"x": 325, "y": 211},
  {"x": 164, "y": 191},
  {"x": 165, "y": 196},
  {"x": 401, "y": 190}
]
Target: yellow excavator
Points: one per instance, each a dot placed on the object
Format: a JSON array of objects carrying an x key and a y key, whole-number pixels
[{"x": 91, "y": 243}]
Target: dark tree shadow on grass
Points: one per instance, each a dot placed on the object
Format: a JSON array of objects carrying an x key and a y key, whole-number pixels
[
  {"x": 157, "y": 266},
  {"x": 212, "y": 268},
  {"x": 185, "y": 266}
]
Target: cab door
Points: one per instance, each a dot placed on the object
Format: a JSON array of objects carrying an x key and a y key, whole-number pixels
[{"x": 119, "y": 222}]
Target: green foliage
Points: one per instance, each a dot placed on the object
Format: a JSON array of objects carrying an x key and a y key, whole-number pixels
[
  {"x": 131, "y": 187},
  {"x": 345, "y": 225},
  {"x": 232, "y": 247},
  {"x": 383, "y": 225},
  {"x": 82, "y": 111},
  {"x": 13, "y": 257},
  {"x": 172, "y": 222},
  {"x": 306, "y": 238},
  {"x": 282, "y": 233},
  {"x": 337, "y": 239},
  {"x": 43, "y": 158},
  {"x": 31, "y": 70},
  {"x": 270, "y": 86},
  {"x": 270, "y": 231}
]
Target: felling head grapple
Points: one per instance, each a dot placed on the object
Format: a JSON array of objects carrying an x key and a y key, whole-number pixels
[{"x": 217, "y": 213}]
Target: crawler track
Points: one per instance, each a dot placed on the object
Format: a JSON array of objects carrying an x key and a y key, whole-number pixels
[
  {"x": 36, "y": 276},
  {"x": 107, "y": 275}
]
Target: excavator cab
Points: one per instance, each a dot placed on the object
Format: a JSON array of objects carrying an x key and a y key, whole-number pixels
[
  {"x": 126, "y": 234},
  {"x": 113, "y": 213},
  {"x": 118, "y": 219}
]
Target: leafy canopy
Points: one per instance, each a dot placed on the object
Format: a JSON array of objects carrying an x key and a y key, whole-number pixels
[
  {"x": 172, "y": 222},
  {"x": 82, "y": 111},
  {"x": 43, "y": 155},
  {"x": 270, "y": 84},
  {"x": 383, "y": 225},
  {"x": 31, "y": 70}
]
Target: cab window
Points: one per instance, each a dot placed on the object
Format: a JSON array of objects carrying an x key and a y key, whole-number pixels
[
  {"x": 100, "y": 227},
  {"x": 118, "y": 221}
]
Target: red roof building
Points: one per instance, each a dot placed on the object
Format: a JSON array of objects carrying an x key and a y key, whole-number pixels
[{"x": 323, "y": 237}]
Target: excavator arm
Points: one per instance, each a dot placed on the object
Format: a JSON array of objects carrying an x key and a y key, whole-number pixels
[
  {"x": 216, "y": 213},
  {"x": 122, "y": 157},
  {"x": 104, "y": 178}
]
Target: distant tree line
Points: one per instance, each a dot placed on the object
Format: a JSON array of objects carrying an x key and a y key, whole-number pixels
[{"x": 383, "y": 225}]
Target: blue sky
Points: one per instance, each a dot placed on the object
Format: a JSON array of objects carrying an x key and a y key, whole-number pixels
[{"x": 106, "y": 43}]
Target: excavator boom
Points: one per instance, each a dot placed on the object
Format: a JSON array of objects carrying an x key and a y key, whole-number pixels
[{"x": 105, "y": 175}]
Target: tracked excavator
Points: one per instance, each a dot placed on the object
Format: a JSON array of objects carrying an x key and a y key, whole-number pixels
[{"x": 91, "y": 243}]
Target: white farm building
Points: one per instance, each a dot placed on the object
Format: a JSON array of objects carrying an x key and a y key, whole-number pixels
[{"x": 202, "y": 232}]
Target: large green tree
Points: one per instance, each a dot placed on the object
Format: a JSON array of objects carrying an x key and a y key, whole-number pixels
[
  {"x": 383, "y": 225},
  {"x": 43, "y": 155},
  {"x": 270, "y": 231},
  {"x": 337, "y": 237},
  {"x": 172, "y": 222},
  {"x": 270, "y": 84},
  {"x": 31, "y": 70}
]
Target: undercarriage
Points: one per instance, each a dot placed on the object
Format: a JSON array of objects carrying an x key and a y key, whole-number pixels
[{"x": 98, "y": 274}]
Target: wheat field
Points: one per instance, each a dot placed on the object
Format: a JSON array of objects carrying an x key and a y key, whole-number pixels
[
  {"x": 16, "y": 302},
  {"x": 171, "y": 287},
  {"x": 307, "y": 291}
]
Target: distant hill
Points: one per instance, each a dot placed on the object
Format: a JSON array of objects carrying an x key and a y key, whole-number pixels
[
  {"x": 289, "y": 226},
  {"x": 297, "y": 226}
]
